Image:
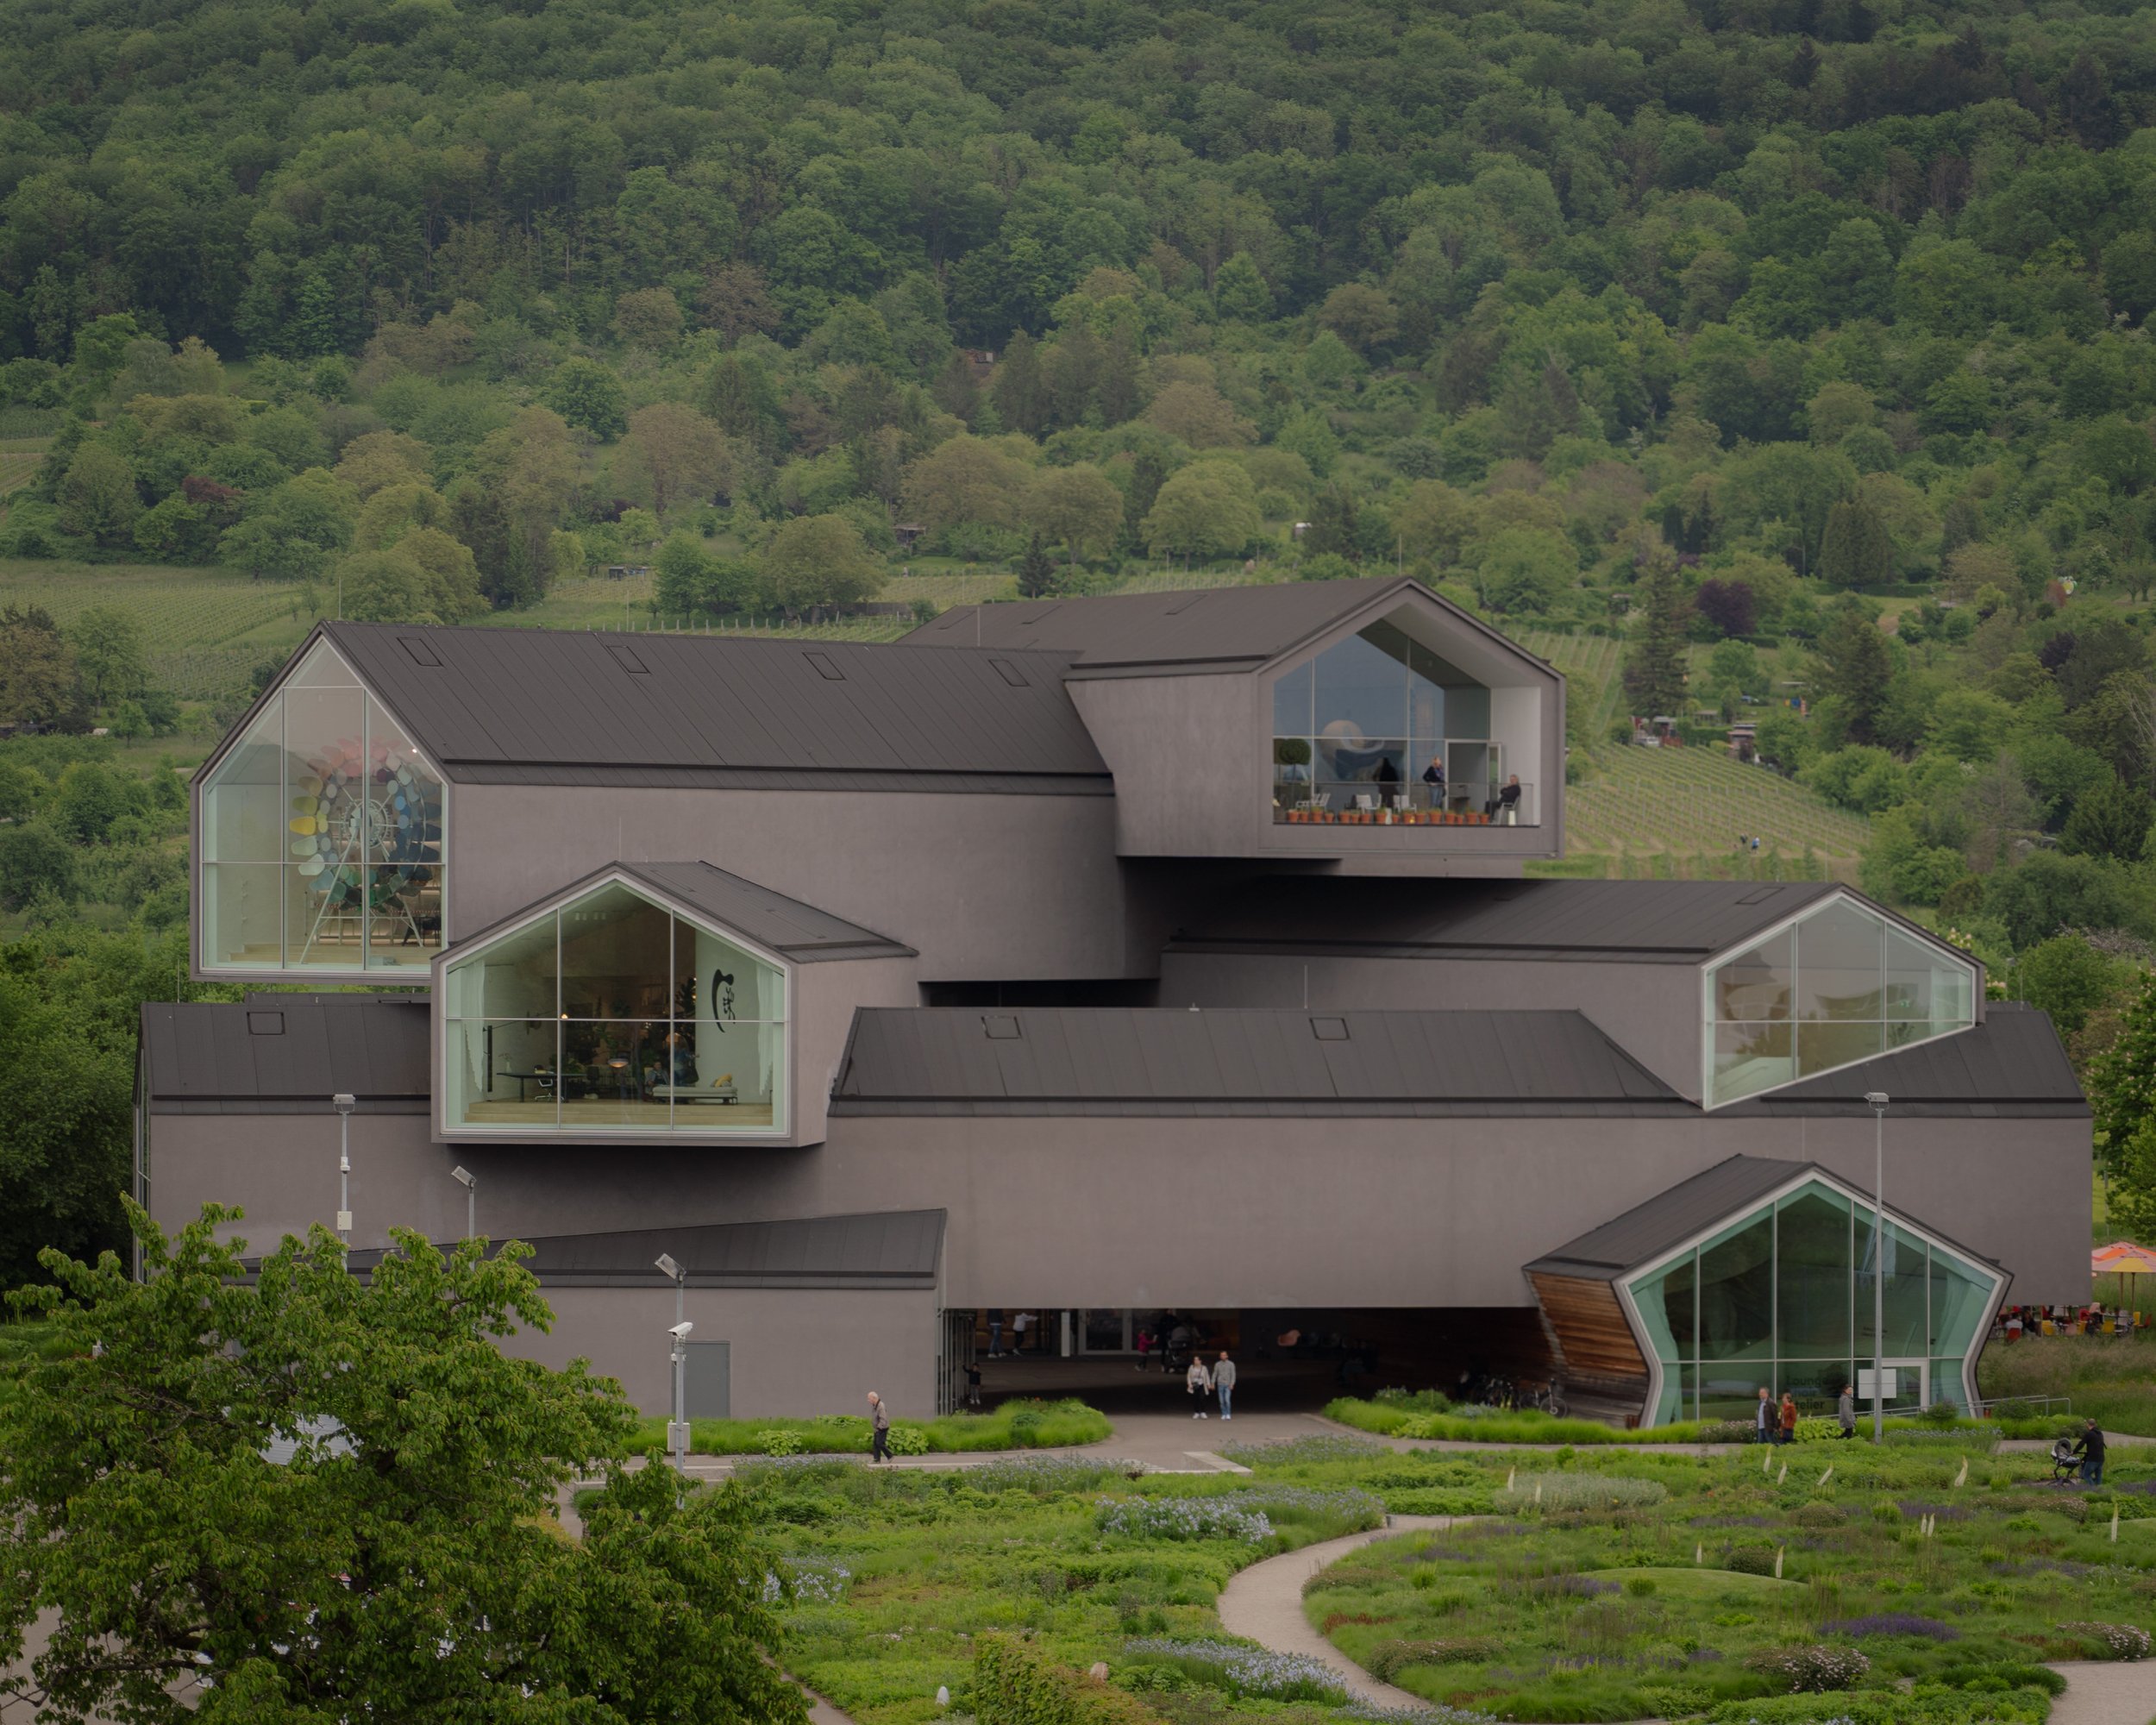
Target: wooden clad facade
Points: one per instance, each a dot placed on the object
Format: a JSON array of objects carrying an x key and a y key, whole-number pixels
[{"x": 1598, "y": 1345}]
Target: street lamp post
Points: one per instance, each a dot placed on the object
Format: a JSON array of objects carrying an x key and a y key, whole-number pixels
[
  {"x": 344, "y": 1102},
  {"x": 1878, "y": 1099},
  {"x": 678, "y": 1427},
  {"x": 470, "y": 1183}
]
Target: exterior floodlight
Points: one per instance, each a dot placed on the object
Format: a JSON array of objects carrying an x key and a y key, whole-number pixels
[
  {"x": 470, "y": 1183},
  {"x": 344, "y": 1102},
  {"x": 1878, "y": 1099},
  {"x": 668, "y": 1268}
]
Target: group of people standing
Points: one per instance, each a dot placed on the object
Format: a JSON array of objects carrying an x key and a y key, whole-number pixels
[
  {"x": 1776, "y": 1422},
  {"x": 1201, "y": 1383}
]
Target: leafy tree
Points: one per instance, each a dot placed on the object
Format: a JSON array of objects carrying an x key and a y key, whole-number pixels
[
  {"x": 682, "y": 456},
  {"x": 2110, "y": 820},
  {"x": 1239, "y": 292},
  {"x": 1207, "y": 509},
  {"x": 425, "y": 1521},
  {"x": 1655, "y": 667},
  {"x": 40, "y": 682},
  {"x": 819, "y": 560},
  {"x": 586, "y": 395},
  {"x": 2066, "y": 977},
  {"x": 294, "y": 532},
  {"x": 1525, "y": 570},
  {"x": 1728, "y": 604},
  {"x": 1077, "y": 506},
  {"x": 966, "y": 479},
  {"x": 648, "y": 318},
  {"x": 1856, "y": 550},
  {"x": 2122, "y": 1085},
  {"x": 108, "y": 652},
  {"x": 97, "y": 497},
  {"x": 423, "y": 576},
  {"x": 688, "y": 580},
  {"x": 1019, "y": 390},
  {"x": 1361, "y": 316},
  {"x": 376, "y": 458},
  {"x": 1199, "y": 415},
  {"x": 1333, "y": 531},
  {"x": 35, "y": 863}
]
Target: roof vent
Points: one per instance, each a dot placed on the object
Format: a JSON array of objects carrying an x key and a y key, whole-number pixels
[
  {"x": 1182, "y": 605},
  {"x": 1760, "y": 895},
  {"x": 1010, "y": 674},
  {"x": 265, "y": 1023},
  {"x": 627, "y": 659},
  {"x": 829, "y": 672},
  {"x": 1000, "y": 1028},
  {"x": 421, "y": 653},
  {"x": 1329, "y": 1029}
]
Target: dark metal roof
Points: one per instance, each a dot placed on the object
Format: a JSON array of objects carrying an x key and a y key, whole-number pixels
[
  {"x": 1211, "y": 629},
  {"x": 796, "y": 930},
  {"x": 1678, "y": 922},
  {"x": 549, "y": 706},
  {"x": 286, "y": 1054},
  {"x": 1668, "y": 1219},
  {"x": 2011, "y": 1063},
  {"x": 1067, "y": 1061},
  {"x": 892, "y": 1249},
  {"x": 1693, "y": 1207}
]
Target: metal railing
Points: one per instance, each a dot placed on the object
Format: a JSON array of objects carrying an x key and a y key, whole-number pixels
[{"x": 1298, "y": 800}]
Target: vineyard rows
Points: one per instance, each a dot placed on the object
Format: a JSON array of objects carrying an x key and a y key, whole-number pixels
[{"x": 1699, "y": 800}]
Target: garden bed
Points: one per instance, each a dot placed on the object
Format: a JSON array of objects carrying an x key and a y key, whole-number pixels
[{"x": 1020, "y": 1425}]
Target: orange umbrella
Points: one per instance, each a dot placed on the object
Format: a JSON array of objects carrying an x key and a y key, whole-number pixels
[{"x": 2123, "y": 1258}]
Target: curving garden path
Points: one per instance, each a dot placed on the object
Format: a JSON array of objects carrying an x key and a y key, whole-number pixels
[{"x": 1264, "y": 1604}]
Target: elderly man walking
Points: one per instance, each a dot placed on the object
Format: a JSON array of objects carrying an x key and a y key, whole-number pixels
[{"x": 879, "y": 1429}]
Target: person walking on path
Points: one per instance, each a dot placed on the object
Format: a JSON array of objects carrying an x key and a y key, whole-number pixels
[
  {"x": 2091, "y": 1450},
  {"x": 1846, "y": 1410},
  {"x": 1223, "y": 1384},
  {"x": 1020, "y": 1325},
  {"x": 973, "y": 1384},
  {"x": 995, "y": 1335},
  {"x": 1763, "y": 1419},
  {"x": 1198, "y": 1384},
  {"x": 879, "y": 1429},
  {"x": 1789, "y": 1417}
]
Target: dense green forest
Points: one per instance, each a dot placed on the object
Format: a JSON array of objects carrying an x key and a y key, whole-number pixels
[{"x": 1810, "y": 331}]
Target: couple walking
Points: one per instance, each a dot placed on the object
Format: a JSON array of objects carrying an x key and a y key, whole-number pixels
[{"x": 1199, "y": 1382}]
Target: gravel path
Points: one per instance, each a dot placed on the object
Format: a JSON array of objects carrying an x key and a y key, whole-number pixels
[
  {"x": 1264, "y": 1603},
  {"x": 2099, "y": 1694}
]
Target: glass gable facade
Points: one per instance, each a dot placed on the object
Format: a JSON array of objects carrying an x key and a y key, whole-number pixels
[
  {"x": 613, "y": 1015},
  {"x": 1782, "y": 1299},
  {"x": 1839, "y": 984},
  {"x": 322, "y": 836},
  {"x": 1365, "y": 720}
]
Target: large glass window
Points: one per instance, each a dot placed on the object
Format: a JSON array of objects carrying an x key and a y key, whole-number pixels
[
  {"x": 612, "y": 1014},
  {"x": 1782, "y": 1300},
  {"x": 1840, "y": 985},
  {"x": 1380, "y": 720},
  {"x": 322, "y": 836}
]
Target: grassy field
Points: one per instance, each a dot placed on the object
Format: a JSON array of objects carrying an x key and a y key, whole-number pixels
[
  {"x": 19, "y": 457},
  {"x": 1011, "y": 1426},
  {"x": 207, "y": 628},
  {"x": 2110, "y": 1379}
]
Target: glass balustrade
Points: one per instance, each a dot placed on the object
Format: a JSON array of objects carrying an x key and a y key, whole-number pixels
[{"x": 1435, "y": 781}]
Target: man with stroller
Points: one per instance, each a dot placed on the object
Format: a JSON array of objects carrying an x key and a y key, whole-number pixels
[{"x": 2091, "y": 1449}]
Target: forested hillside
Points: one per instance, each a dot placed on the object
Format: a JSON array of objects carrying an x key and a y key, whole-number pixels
[{"x": 1784, "y": 360}]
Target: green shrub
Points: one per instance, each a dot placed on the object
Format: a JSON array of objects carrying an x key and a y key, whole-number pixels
[
  {"x": 1387, "y": 1659},
  {"x": 1750, "y": 1559},
  {"x": 1819, "y": 1514},
  {"x": 907, "y": 1440},
  {"x": 1558, "y": 1491},
  {"x": 778, "y": 1440},
  {"x": 1015, "y": 1685}
]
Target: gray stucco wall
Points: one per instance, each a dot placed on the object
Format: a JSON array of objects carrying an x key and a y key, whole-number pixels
[
  {"x": 1650, "y": 1011},
  {"x": 962, "y": 879},
  {"x": 1263, "y": 1212},
  {"x": 801, "y": 1350}
]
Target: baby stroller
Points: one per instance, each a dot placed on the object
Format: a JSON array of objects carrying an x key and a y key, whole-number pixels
[{"x": 2066, "y": 1463}]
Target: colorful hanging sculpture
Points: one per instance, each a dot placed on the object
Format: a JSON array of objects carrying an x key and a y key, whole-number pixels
[{"x": 367, "y": 829}]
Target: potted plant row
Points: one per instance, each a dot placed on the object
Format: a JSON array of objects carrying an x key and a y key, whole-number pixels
[{"x": 1302, "y": 817}]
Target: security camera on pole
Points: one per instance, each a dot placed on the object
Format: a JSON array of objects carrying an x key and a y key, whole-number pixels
[{"x": 678, "y": 1427}]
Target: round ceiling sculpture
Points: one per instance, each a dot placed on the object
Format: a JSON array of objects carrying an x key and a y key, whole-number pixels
[{"x": 366, "y": 829}]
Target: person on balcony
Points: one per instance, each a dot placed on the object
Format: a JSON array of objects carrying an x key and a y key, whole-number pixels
[
  {"x": 1508, "y": 802},
  {"x": 1433, "y": 776},
  {"x": 1387, "y": 779}
]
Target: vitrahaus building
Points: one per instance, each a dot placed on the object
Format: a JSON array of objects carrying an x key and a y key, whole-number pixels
[{"x": 1091, "y": 959}]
